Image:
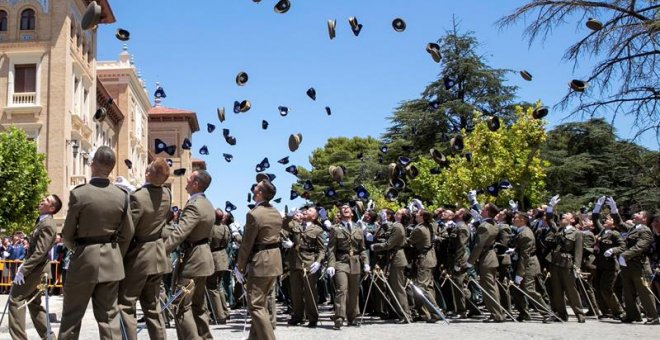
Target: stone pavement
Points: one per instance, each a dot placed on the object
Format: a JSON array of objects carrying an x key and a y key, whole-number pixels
[{"x": 380, "y": 330}]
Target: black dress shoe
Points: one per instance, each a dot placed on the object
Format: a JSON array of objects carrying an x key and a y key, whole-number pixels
[
  {"x": 581, "y": 319},
  {"x": 338, "y": 323},
  {"x": 655, "y": 321},
  {"x": 523, "y": 318},
  {"x": 222, "y": 322},
  {"x": 630, "y": 320},
  {"x": 354, "y": 323},
  {"x": 492, "y": 321},
  {"x": 550, "y": 319},
  {"x": 294, "y": 322},
  {"x": 312, "y": 324}
]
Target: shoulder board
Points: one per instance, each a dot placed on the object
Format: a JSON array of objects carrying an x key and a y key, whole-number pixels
[{"x": 78, "y": 186}]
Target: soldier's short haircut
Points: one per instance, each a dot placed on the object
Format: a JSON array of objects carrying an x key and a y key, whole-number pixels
[
  {"x": 491, "y": 209},
  {"x": 158, "y": 171},
  {"x": 268, "y": 190},
  {"x": 105, "y": 160},
  {"x": 57, "y": 204},
  {"x": 229, "y": 217},
  {"x": 203, "y": 178}
]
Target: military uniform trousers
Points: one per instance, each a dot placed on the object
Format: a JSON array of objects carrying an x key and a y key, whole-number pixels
[
  {"x": 590, "y": 292},
  {"x": 459, "y": 298},
  {"x": 604, "y": 284},
  {"x": 528, "y": 285},
  {"x": 503, "y": 277},
  {"x": 217, "y": 296},
  {"x": 636, "y": 284},
  {"x": 190, "y": 316},
  {"x": 146, "y": 288},
  {"x": 562, "y": 282},
  {"x": 487, "y": 277},
  {"x": 259, "y": 293},
  {"x": 18, "y": 296},
  {"x": 304, "y": 295},
  {"x": 104, "y": 303},
  {"x": 397, "y": 281},
  {"x": 347, "y": 295},
  {"x": 424, "y": 280}
]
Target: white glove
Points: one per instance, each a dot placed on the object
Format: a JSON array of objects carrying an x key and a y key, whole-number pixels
[
  {"x": 457, "y": 269},
  {"x": 510, "y": 251},
  {"x": 367, "y": 268},
  {"x": 612, "y": 204},
  {"x": 5, "y": 254},
  {"x": 383, "y": 216},
  {"x": 239, "y": 276},
  {"x": 372, "y": 247},
  {"x": 472, "y": 197},
  {"x": 553, "y": 202},
  {"x": 468, "y": 265},
  {"x": 235, "y": 245},
  {"x": 518, "y": 280},
  {"x": 369, "y": 237},
  {"x": 314, "y": 267},
  {"x": 608, "y": 253},
  {"x": 599, "y": 204},
  {"x": 330, "y": 271},
  {"x": 19, "y": 279},
  {"x": 475, "y": 215},
  {"x": 287, "y": 244},
  {"x": 417, "y": 204},
  {"x": 622, "y": 261},
  {"x": 513, "y": 205},
  {"x": 20, "y": 267}
]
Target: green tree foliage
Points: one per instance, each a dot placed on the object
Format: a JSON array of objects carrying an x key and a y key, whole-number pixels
[
  {"x": 23, "y": 180},
  {"x": 588, "y": 161},
  {"x": 511, "y": 153}
]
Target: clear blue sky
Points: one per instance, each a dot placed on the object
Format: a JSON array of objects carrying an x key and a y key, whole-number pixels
[{"x": 196, "y": 51}]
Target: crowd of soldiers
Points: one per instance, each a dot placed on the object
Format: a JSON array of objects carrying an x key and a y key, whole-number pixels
[{"x": 405, "y": 266}]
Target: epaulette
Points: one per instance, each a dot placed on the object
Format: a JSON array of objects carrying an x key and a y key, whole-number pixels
[{"x": 78, "y": 186}]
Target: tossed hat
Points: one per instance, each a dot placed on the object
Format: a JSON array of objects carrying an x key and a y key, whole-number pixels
[
  {"x": 122, "y": 34},
  {"x": 336, "y": 172},
  {"x": 505, "y": 184},
  {"x": 397, "y": 183},
  {"x": 306, "y": 195},
  {"x": 91, "y": 17},
  {"x": 434, "y": 50},
  {"x": 328, "y": 111},
  {"x": 245, "y": 106},
  {"x": 493, "y": 189},
  {"x": 438, "y": 157},
  {"x": 231, "y": 140},
  {"x": 311, "y": 93},
  {"x": 283, "y": 110},
  {"x": 225, "y": 132},
  {"x": 449, "y": 82},
  {"x": 308, "y": 186},
  {"x": 278, "y": 200},
  {"x": 403, "y": 160},
  {"x": 391, "y": 194},
  {"x": 284, "y": 160},
  {"x": 264, "y": 124},
  {"x": 100, "y": 114},
  {"x": 540, "y": 112},
  {"x": 186, "y": 144},
  {"x": 355, "y": 26},
  {"x": 294, "y": 194},
  {"x": 359, "y": 155},
  {"x": 221, "y": 114},
  {"x": 169, "y": 162},
  {"x": 434, "y": 105},
  {"x": 237, "y": 106},
  {"x": 294, "y": 141},
  {"x": 282, "y": 6},
  {"x": 210, "y": 127},
  {"x": 292, "y": 169},
  {"x": 361, "y": 192},
  {"x": 384, "y": 148},
  {"x": 394, "y": 170},
  {"x": 128, "y": 163},
  {"x": 229, "y": 207},
  {"x": 269, "y": 177},
  {"x": 457, "y": 143},
  {"x": 411, "y": 171},
  {"x": 399, "y": 25},
  {"x": 160, "y": 92},
  {"x": 204, "y": 150},
  {"x": 330, "y": 192},
  {"x": 263, "y": 165},
  {"x": 179, "y": 172},
  {"x": 249, "y": 197},
  {"x": 526, "y": 75},
  {"x": 468, "y": 157},
  {"x": 435, "y": 171},
  {"x": 228, "y": 157},
  {"x": 594, "y": 24},
  {"x": 160, "y": 146},
  {"x": 241, "y": 78},
  {"x": 493, "y": 123},
  {"x": 332, "y": 24},
  {"x": 578, "y": 85}
]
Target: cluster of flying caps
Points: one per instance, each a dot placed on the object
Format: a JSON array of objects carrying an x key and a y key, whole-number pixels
[
  {"x": 496, "y": 187},
  {"x": 355, "y": 26},
  {"x": 294, "y": 141},
  {"x": 161, "y": 146},
  {"x": 242, "y": 106},
  {"x": 263, "y": 165}
]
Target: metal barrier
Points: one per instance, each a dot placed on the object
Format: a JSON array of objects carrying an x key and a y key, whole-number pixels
[{"x": 8, "y": 270}]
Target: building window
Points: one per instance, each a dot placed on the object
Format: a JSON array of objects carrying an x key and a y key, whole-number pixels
[
  {"x": 28, "y": 20},
  {"x": 3, "y": 21},
  {"x": 25, "y": 78}
]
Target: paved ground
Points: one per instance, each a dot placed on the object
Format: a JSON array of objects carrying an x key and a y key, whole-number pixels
[{"x": 377, "y": 329}]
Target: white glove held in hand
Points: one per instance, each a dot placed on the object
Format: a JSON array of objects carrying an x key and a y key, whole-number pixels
[
  {"x": 367, "y": 268},
  {"x": 314, "y": 267},
  {"x": 599, "y": 204},
  {"x": 475, "y": 215},
  {"x": 239, "y": 276},
  {"x": 19, "y": 279},
  {"x": 612, "y": 204},
  {"x": 622, "y": 261},
  {"x": 608, "y": 253},
  {"x": 472, "y": 197},
  {"x": 287, "y": 244},
  {"x": 518, "y": 280},
  {"x": 330, "y": 271},
  {"x": 369, "y": 237}
]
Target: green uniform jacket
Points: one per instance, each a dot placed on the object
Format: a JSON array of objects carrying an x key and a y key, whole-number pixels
[
  {"x": 459, "y": 236},
  {"x": 195, "y": 224},
  {"x": 607, "y": 239},
  {"x": 307, "y": 245},
  {"x": 97, "y": 209},
  {"x": 41, "y": 240},
  {"x": 420, "y": 239},
  {"x": 262, "y": 227},
  {"x": 528, "y": 263},
  {"x": 483, "y": 250},
  {"x": 346, "y": 249},
  {"x": 150, "y": 206},
  {"x": 569, "y": 247},
  {"x": 638, "y": 243},
  {"x": 393, "y": 245},
  {"x": 220, "y": 238}
]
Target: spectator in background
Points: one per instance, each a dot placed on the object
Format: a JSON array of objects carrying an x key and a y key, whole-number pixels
[
  {"x": 17, "y": 250},
  {"x": 56, "y": 256}
]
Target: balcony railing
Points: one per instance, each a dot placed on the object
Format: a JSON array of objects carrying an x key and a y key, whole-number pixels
[
  {"x": 77, "y": 180},
  {"x": 24, "y": 98}
]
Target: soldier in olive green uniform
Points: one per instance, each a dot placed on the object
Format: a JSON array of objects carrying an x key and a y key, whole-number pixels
[
  {"x": 588, "y": 266},
  {"x": 304, "y": 258},
  {"x": 608, "y": 238},
  {"x": 502, "y": 244},
  {"x": 458, "y": 233},
  {"x": 483, "y": 252},
  {"x": 566, "y": 256},
  {"x": 392, "y": 249},
  {"x": 346, "y": 253},
  {"x": 30, "y": 274},
  {"x": 260, "y": 248},
  {"x": 635, "y": 267},
  {"x": 196, "y": 262},
  {"x": 424, "y": 261},
  {"x": 146, "y": 260},
  {"x": 98, "y": 229},
  {"x": 220, "y": 238}
]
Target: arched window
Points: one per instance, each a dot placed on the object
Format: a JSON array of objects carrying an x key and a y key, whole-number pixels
[
  {"x": 3, "y": 21},
  {"x": 28, "y": 20}
]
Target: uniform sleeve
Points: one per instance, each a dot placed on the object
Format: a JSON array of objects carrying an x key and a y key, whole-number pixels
[
  {"x": 126, "y": 229},
  {"x": 187, "y": 221},
  {"x": 598, "y": 227},
  {"x": 320, "y": 246},
  {"x": 395, "y": 240},
  {"x": 250, "y": 232},
  {"x": 41, "y": 244},
  {"x": 579, "y": 249},
  {"x": 522, "y": 247},
  {"x": 461, "y": 249},
  {"x": 71, "y": 222},
  {"x": 136, "y": 210},
  {"x": 332, "y": 246},
  {"x": 482, "y": 236},
  {"x": 641, "y": 246}
]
